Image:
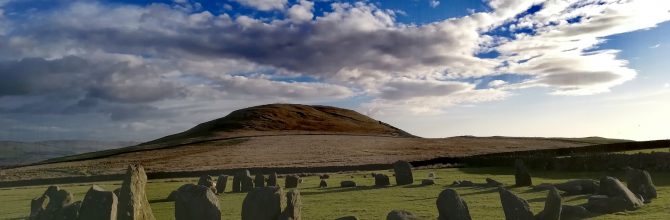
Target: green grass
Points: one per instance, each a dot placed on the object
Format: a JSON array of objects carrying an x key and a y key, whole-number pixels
[
  {"x": 368, "y": 202},
  {"x": 646, "y": 151}
]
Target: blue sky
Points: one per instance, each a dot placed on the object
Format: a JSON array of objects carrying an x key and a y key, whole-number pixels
[{"x": 139, "y": 70}]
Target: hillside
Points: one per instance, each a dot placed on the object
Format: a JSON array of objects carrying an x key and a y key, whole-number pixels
[
  {"x": 284, "y": 135},
  {"x": 16, "y": 152}
]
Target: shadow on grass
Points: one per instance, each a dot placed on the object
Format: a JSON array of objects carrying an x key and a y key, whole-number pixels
[{"x": 159, "y": 200}]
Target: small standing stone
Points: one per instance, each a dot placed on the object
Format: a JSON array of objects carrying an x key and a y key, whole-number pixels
[
  {"x": 98, "y": 204},
  {"x": 403, "y": 173},
  {"x": 427, "y": 182},
  {"x": 291, "y": 181},
  {"x": 259, "y": 180},
  {"x": 37, "y": 206},
  {"x": 451, "y": 206},
  {"x": 221, "y": 183},
  {"x": 521, "y": 175},
  {"x": 382, "y": 180},
  {"x": 493, "y": 183},
  {"x": 348, "y": 183},
  {"x": 208, "y": 181},
  {"x": 272, "y": 180},
  {"x": 323, "y": 184},
  {"x": 515, "y": 208}
]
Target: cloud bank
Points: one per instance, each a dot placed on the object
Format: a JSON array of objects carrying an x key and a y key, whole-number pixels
[{"x": 144, "y": 63}]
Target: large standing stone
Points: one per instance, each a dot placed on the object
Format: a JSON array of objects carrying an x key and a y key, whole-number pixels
[
  {"x": 221, "y": 183},
  {"x": 579, "y": 187},
  {"x": 259, "y": 181},
  {"x": 293, "y": 206},
  {"x": 247, "y": 183},
  {"x": 639, "y": 182},
  {"x": 98, "y": 204},
  {"x": 451, "y": 206},
  {"x": 403, "y": 173},
  {"x": 196, "y": 202},
  {"x": 401, "y": 215},
  {"x": 521, "y": 174},
  {"x": 71, "y": 211},
  {"x": 291, "y": 181},
  {"x": 133, "y": 203},
  {"x": 37, "y": 206},
  {"x": 264, "y": 203},
  {"x": 552, "y": 206},
  {"x": 515, "y": 208},
  {"x": 382, "y": 180},
  {"x": 272, "y": 180},
  {"x": 208, "y": 181},
  {"x": 614, "y": 197}
]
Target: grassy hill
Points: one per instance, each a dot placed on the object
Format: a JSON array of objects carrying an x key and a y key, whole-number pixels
[{"x": 16, "y": 152}]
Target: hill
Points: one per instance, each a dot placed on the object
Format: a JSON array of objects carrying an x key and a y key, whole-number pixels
[
  {"x": 17, "y": 152},
  {"x": 286, "y": 136}
]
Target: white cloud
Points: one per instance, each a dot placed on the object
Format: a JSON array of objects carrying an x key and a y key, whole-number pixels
[
  {"x": 434, "y": 3},
  {"x": 264, "y": 5},
  {"x": 301, "y": 12},
  {"x": 655, "y": 46}
]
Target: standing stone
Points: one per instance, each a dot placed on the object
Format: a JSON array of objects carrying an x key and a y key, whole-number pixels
[
  {"x": 639, "y": 182},
  {"x": 293, "y": 206},
  {"x": 58, "y": 199},
  {"x": 291, "y": 181},
  {"x": 451, "y": 206},
  {"x": 614, "y": 197},
  {"x": 133, "y": 203},
  {"x": 37, "y": 206},
  {"x": 98, "y": 204},
  {"x": 552, "y": 206},
  {"x": 382, "y": 180},
  {"x": 403, "y": 173},
  {"x": 401, "y": 215},
  {"x": 196, "y": 202},
  {"x": 272, "y": 180},
  {"x": 426, "y": 182},
  {"x": 264, "y": 203},
  {"x": 323, "y": 184},
  {"x": 521, "y": 175},
  {"x": 259, "y": 181},
  {"x": 208, "y": 181},
  {"x": 515, "y": 208},
  {"x": 347, "y": 183},
  {"x": 221, "y": 183},
  {"x": 247, "y": 183},
  {"x": 239, "y": 178}
]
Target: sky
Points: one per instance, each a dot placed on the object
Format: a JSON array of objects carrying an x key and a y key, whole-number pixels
[{"x": 139, "y": 70}]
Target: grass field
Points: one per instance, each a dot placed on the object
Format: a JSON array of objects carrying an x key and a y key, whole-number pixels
[{"x": 368, "y": 202}]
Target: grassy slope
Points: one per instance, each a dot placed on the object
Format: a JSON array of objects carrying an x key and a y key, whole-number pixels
[{"x": 367, "y": 202}]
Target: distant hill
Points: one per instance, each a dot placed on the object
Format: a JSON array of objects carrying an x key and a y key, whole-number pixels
[
  {"x": 284, "y": 135},
  {"x": 289, "y": 118},
  {"x": 17, "y": 153}
]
